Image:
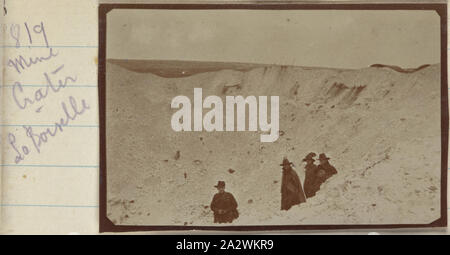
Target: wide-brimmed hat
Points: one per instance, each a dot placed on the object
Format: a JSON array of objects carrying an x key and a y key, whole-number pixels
[
  {"x": 310, "y": 156},
  {"x": 286, "y": 162},
  {"x": 323, "y": 156},
  {"x": 220, "y": 184}
]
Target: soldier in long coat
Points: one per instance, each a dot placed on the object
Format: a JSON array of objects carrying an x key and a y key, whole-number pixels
[
  {"x": 310, "y": 175},
  {"x": 291, "y": 187},
  {"x": 224, "y": 205},
  {"x": 324, "y": 170}
]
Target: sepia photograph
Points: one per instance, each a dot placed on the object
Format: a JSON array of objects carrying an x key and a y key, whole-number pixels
[{"x": 266, "y": 117}]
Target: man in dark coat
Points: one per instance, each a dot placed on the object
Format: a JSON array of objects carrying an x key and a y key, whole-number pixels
[
  {"x": 310, "y": 175},
  {"x": 291, "y": 187},
  {"x": 324, "y": 170},
  {"x": 224, "y": 205}
]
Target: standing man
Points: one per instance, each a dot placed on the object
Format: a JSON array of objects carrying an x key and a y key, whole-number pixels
[
  {"x": 310, "y": 175},
  {"x": 325, "y": 170},
  {"x": 291, "y": 187},
  {"x": 224, "y": 205}
]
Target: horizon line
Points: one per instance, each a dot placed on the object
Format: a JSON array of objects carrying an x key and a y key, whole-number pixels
[{"x": 265, "y": 64}]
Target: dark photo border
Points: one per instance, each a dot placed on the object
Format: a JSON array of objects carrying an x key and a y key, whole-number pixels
[{"x": 107, "y": 226}]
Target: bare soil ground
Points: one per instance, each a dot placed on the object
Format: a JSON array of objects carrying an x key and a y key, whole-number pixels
[{"x": 380, "y": 127}]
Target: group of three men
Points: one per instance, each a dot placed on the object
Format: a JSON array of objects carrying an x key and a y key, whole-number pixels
[
  {"x": 292, "y": 192},
  {"x": 224, "y": 204}
]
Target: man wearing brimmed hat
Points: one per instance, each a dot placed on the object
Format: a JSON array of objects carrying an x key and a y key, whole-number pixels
[
  {"x": 324, "y": 170},
  {"x": 291, "y": 187},
  {"x": 224, "y": 205},
  {"x": 310, "y": 175}
]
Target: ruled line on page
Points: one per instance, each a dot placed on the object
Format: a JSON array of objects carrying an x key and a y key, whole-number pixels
[
  {"x": 43, "y": 86},
  {"x": 51, "y": 46},
  {"x": 49, "y": 165},
  {"x": 49, "y": 205},
  {"x": 48, "y": 125}
]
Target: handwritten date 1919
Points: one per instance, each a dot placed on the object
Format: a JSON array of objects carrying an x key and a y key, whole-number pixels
[{"x": 35, "y": 34}]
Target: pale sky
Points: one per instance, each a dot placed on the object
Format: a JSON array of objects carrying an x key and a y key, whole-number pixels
[{"x": 325, "y": 38}]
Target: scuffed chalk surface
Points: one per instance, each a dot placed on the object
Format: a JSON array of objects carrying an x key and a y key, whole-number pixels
[{"x": 380, "y": 127}]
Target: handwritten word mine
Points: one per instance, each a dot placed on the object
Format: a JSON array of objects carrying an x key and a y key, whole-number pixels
[
  {"x": 21, "y": 63},
  {"x": 213, "y": 120}
]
